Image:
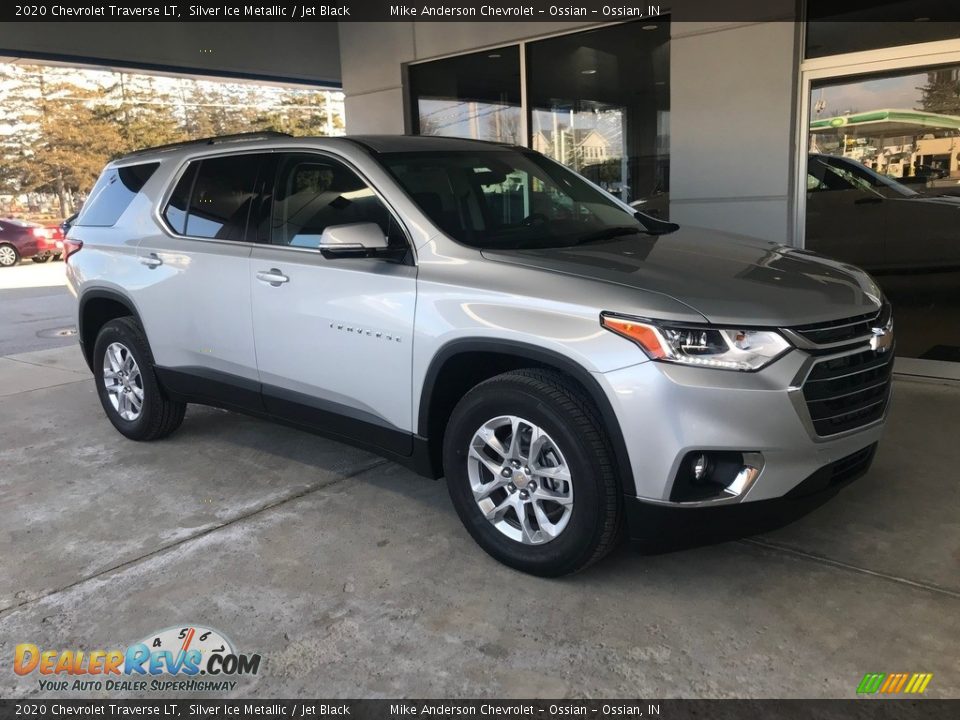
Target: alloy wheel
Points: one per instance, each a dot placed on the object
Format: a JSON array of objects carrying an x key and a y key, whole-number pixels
[
  {"x": 8, "y": 256},
  {"x": 520, "y": 480},
  {"x": 122, "y": 381}
]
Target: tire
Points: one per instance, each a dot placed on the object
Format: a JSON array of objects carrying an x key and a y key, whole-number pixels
[
  {"x": 572, "y": 436},
  {"x": 157, "y": 416},
  {"x": 57, "y": 256},
  {"x": 40, "y": 258},
  {"x": 9, "y": 255}
]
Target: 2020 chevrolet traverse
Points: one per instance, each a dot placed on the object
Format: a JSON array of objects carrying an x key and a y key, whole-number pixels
[{"x": 477, "y": 311}]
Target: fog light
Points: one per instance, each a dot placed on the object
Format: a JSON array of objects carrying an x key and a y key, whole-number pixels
[
  {"x": 715, "y": 476},
  {"x": 701, "y": 467}
]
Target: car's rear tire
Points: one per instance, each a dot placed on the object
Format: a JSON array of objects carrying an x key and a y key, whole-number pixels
[
  {"x": 40, "y": 258},
  {"x": 123, "y": 370},
  {"x": 562, "y": 462},
  {"x": 9, "y": 255}
]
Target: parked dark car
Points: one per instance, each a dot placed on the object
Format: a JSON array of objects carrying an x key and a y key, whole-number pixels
[
  {"x": 20, "y": 240},
  {"x": 857, "y": 215},
  {"x": 54, "y": 244}
]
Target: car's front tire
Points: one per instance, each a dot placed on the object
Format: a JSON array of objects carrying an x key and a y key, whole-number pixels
[
  {"x": 530, "y": 472},
  {"x": 132, "y": 398}
]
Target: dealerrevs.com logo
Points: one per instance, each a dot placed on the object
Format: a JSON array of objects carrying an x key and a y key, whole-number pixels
[{"x": 173, "y": 659}]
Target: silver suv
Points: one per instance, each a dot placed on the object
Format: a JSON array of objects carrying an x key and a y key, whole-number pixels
[{"x": 576, "y": 370}]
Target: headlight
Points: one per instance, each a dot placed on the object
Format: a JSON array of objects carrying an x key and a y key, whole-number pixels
[{"x": 722, "y": 348}]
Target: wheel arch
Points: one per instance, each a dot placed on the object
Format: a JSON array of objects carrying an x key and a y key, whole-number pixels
[
  {"x": 463, "y": 363},
  {"x": 96, "y": 308}
]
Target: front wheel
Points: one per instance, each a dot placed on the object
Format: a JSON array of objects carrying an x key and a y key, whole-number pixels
[
  {"x": 529, "y": 470},
  {"x": 128, "y": 388}
]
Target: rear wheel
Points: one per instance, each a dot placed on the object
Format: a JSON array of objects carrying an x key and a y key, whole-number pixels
[
  {"x": 127, "y": 386},
  {"x": 530, "y": 473},
  {"x": 8, "y": 256},
  {"x": 40, "y": 258}
]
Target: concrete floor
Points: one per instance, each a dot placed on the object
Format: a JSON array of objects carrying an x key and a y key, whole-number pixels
[
  {"x": 353, "y": 577},
  {"x": 36, "y": 307}
]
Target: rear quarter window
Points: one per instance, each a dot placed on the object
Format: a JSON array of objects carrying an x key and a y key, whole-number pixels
[{"x": 113, "y": 193}]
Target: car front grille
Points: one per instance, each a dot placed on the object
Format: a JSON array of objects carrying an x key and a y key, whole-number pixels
[
  {"x": 848, "y": 391},
  {"x": 846, "y": 330}
]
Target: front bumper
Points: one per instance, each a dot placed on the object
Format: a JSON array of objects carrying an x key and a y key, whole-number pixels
[
  {"x": 657, "y": 527},
  {"x": 667, "y": 411}
]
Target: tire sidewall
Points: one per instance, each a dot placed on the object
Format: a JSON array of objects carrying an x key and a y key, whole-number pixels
[
  {"x": 117, "y": 331},
  {"x": 582, "y": 533}
]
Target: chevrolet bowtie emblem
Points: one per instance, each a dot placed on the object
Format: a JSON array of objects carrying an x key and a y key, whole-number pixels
[{"x": 882, "y": 339}]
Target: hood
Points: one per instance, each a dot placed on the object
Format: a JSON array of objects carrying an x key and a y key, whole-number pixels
[{"x": 726, "y": 278}]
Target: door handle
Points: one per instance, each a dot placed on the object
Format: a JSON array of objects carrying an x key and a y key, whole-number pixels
[
  {"x": 272, "y": 276},
  {"x": 151, "y": 261}
]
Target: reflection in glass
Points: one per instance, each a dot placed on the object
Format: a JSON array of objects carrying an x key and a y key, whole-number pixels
[
  {"x": 599, "y": 104},
  {"x": 473, "y": 96},
  {"x": 883, "y": 192}
]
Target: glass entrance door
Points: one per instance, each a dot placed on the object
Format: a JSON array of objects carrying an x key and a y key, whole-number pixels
[{"x": 883, "y": 193}]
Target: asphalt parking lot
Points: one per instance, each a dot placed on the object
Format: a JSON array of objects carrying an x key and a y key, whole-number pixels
[{"x": 353, "y": 577}]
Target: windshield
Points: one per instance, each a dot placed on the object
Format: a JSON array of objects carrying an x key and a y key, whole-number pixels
[{"x": 508, "y": 199}]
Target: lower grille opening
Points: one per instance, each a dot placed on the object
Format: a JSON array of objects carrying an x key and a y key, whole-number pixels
[{"x": 836, "y": 473}]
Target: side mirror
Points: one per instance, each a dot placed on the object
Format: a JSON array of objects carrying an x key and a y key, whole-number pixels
[{"x": 355, "y": 240}]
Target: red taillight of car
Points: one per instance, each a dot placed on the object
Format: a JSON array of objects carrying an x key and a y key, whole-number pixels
[
  {"x": 71, "y": 247},
  {"x": 40, "y": 232}
]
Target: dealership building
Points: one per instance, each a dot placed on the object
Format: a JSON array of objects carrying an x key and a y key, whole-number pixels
[{"x": 828, "y": 129}]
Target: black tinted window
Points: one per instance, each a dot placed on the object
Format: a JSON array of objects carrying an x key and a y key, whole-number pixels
[
  {"x": 222, "y": 196},
  {"x": 176, "y": 210},
  {"x": 313, "y": 192},
  {"x": 507, "y": 199},
  {"x": 113, "y": 194}
]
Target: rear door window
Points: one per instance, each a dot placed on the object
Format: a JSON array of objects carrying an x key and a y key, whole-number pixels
[
  {"x": 176, "y": 210},
  {"x": 113, "y": 193},
  {"x": 222, "y": 197}
]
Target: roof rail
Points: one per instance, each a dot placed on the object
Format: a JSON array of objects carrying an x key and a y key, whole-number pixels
[{"x": 262, "y": 135}]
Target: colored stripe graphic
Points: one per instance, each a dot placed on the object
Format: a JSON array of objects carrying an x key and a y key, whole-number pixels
[{"x": 893, "y": 683}]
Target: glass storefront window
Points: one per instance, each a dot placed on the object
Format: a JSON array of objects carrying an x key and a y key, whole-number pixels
[
  {"x": 883, "y": 192},
  {"x": 472, "y": 96},
  {"x": 599, "y": 103},
  {"x": 834, "y": 28}
]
